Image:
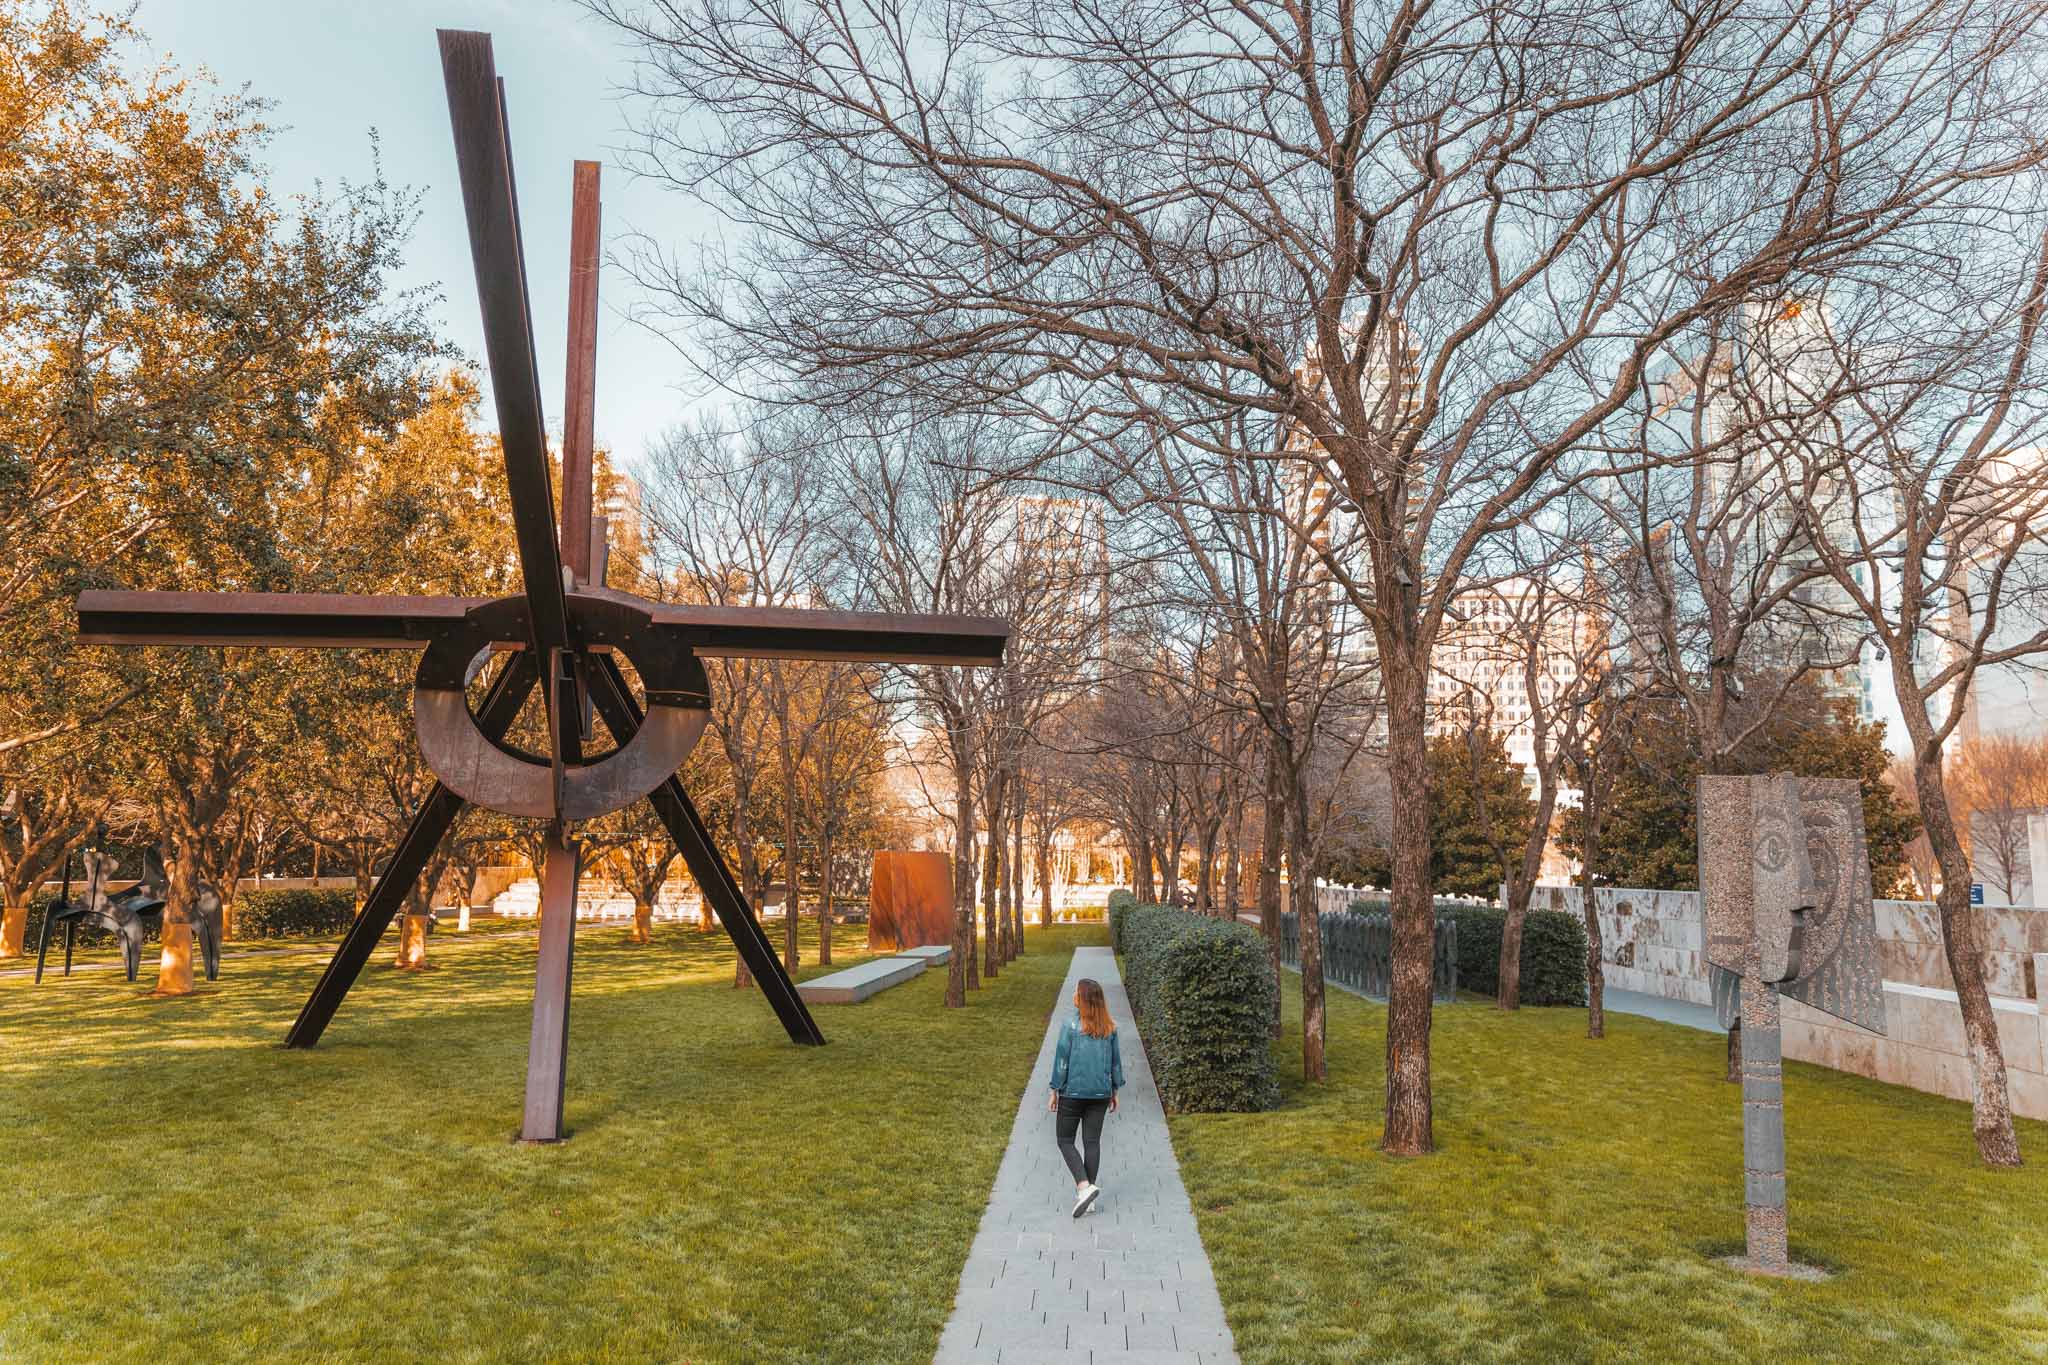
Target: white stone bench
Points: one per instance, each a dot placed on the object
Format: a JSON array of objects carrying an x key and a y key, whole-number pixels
[
  {"x": 855, "y": 984},
  {"x": 932, "y": 954}
]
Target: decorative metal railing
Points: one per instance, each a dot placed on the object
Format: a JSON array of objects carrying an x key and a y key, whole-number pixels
[{"x": 1358, "y": 951}]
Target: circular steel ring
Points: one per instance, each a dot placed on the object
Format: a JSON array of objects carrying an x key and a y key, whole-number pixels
[{"x": 498, "y": 776}]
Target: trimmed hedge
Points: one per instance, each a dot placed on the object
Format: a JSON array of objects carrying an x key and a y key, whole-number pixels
[
  {"x": 1204, "y": 995},
  {"x": 1121, "y": 901},
  {"x": 1553, "y": 953},
  {"x": 295, "y": 913}
]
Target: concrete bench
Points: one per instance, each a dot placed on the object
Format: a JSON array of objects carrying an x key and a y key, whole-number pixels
[
  {"x": 856, "y": 984},
  {"x": 932, "y": 954}
]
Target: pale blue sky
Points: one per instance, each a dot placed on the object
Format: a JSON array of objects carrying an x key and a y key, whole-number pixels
[{"x": 335, "y": 69}]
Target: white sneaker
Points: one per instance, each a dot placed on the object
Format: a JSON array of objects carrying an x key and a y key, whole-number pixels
[{"x": 1085, "y": 1197}]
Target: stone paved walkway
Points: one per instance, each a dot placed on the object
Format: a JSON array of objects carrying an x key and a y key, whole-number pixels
[{"x": 1126, "y": 1284}]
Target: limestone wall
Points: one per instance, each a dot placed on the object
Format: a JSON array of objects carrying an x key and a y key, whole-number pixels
[{"x": 1650, "y": 943}]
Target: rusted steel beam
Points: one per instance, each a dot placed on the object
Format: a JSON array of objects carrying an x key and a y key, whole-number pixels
[
  {"x": 345, "y": 620},
  {"x": 483, "y": 155},
  {"x": 547, "y": 1047},
  {"x": 579, "y": 407}
]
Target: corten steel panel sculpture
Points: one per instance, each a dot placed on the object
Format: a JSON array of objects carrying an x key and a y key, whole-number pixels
[
  {"x": 564, "y": 634},
  {"x": 910, "y": 900},
  {"x": 1785, "y": 882}
]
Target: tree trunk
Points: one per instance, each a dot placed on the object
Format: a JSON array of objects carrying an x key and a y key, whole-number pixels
[
  {"x": 412, "y": 942},
  {"x": 13, "y": 926},
  {"x": 1044, "y": 882},
  {"x": 1596, "y": 967},
  {"x": 1275, "y": 829},
  {"x": 1522, "y": 885},
  {"x": 1233, "y": 872},
  {"x": 1991, "y": 1101},
  {"x": 960, "y": 966},
  {"x": 174, "y": 967},
  {"x": 825, "y": 901},
  {"x": 1410, "y": 1117},
  {"x": 791, "y": 901},
  {"x": 1205, "y": 867},
  {"x": 991, "y": 875},
  {"x": 1308, "y": 915},
  {"x": 643, "y": 919},
  {"x": 1013, "y": 888}
]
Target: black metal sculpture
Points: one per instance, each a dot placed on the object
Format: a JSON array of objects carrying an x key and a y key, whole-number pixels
[
  {"x": 563, "y": 634},
  {"x": 131, "y": 916}
]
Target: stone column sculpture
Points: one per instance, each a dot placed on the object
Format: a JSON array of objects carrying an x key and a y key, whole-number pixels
[{"x": 1785, "y": 883}]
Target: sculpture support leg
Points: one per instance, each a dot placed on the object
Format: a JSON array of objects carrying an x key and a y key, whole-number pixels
[
  {"x": 721, "y": 891},
  {"x": 437, "y": 813},
  {"x": 43, "y": 943},
  {"x": 1763, "y": 1127},
  {"x": 547, "y": 1051}
]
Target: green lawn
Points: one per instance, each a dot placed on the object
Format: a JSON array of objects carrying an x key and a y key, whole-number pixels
[
  {"x": 181, "y": 1187},
  {"x": 1580, "y": 1196}
]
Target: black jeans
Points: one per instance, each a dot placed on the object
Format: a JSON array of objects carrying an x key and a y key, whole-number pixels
[{"x": 1087, "y": 1116}]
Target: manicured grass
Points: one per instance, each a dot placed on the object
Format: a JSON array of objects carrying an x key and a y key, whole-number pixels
[
  {"x": 1580, "y": 1196},
  {"x": 179, "y": 1187}
]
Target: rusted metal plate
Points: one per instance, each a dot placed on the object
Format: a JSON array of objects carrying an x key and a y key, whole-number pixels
[{"x": 910, "y": 900}]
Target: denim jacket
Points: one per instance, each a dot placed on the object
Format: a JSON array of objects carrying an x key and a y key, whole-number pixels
[{"x": 1086, "y": 1068}]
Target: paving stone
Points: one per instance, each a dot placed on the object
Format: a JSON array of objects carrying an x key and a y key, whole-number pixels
[
  {"x": 1008, "y": 1298},
  {"x": 1004, "y": 1334},
  {"x": 1151, "y": 1336}
]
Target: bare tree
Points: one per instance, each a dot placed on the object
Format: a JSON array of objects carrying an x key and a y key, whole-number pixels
[
  {"x": 1481, "y": 224},
  {"x": 1910, "y": 424},
  {"x": 724, "y": 509},
  {"x": 1995, "y": 783}
]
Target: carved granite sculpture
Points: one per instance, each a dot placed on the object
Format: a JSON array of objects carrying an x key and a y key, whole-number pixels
[{"x": 1785, "y": 882}]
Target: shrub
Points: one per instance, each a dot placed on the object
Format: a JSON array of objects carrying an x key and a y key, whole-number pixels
[
  {"x": 1120, "y": 901},
  {"x": 1553, "y": 953},
  {"x": 293, "y": 913},
  {"x": 1204, "y": 995}
]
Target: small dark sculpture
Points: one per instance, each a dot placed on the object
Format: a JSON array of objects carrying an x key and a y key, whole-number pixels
[{"x": 131, "y": 915}]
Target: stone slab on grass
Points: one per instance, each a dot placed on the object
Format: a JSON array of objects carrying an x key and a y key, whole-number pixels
[
  {"x": 932, "y": 954},
  {"x": 855, "y": 984}
]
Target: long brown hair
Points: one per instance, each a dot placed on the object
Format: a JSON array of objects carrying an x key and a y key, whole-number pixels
[{"x": 1095, "y": 1020}]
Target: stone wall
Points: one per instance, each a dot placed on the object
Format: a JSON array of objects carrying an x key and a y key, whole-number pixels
[{"x": 1650, "y": 943}]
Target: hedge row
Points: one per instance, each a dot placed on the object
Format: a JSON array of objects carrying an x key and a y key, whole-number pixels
[
  {"x": 1121, "y": 902},
  {"x": 293, "y": 913},
  {"x": 1204, "y": 995},
  {"x": 1553, "y": 953}
]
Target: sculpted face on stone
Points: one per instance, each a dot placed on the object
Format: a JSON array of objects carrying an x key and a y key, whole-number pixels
[{"x": 1786, "y": 876}]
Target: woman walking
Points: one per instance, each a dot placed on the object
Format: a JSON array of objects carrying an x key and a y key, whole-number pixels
[{"x": 1087, "y": 1071}]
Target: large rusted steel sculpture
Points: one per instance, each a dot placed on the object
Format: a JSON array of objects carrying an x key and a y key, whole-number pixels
[
  {"x": 563, "y": 635},
  {"x": 1785, "y": 882},
  {"x": 910, "y": 900}
]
